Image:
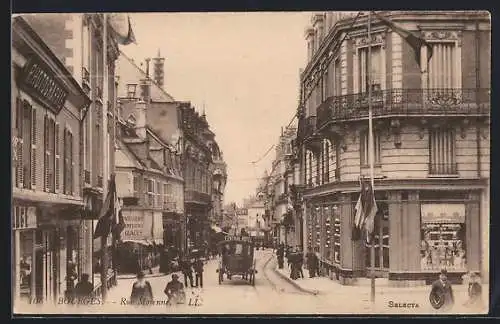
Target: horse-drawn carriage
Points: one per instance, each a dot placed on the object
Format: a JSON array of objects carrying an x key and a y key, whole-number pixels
[{"x": 237, "y": 259}]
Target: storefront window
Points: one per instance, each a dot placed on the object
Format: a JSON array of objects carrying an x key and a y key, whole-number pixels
[
  {"x": 443, "y": 242},
  {"x": 26, "y": 263},
  {"x": 336, "y": 234}
]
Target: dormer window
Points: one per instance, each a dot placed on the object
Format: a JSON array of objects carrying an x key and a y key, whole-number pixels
[{"x": 131, "y": 89}]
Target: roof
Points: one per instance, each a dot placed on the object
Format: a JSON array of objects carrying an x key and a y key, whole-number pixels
[
  {"x": 124, "y": 158},
  {"x": 157, "y": 93}
]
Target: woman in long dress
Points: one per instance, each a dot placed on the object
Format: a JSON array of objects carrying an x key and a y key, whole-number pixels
[{"x": 142, "y": 293}]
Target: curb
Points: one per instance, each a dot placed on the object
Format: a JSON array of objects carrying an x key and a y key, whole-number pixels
[{"x": 296, "y": 285}]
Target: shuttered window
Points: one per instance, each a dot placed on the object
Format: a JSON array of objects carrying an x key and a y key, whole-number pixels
[
  {"x": 442, "y": 152},
  {"x": 68, "y": 163},
  {"x": 57, "y": 158},
  {"x": 49, "y": 156},
  {"x": 18, "y": 144},
  {"x": 442, "y": 69},
  {"x": 365, "y": 147}
]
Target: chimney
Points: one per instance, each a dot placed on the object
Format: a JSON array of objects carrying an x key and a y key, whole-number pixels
[
  {"x": 140, "y": 116},
  {"x": 145, "y": 88},
  {"x": 158, "y": 68},
  {"x": 147, "y": 67}
]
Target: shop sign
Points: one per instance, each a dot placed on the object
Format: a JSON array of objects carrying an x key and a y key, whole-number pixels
[
  {"x": 44, "y": 85},
  {"x": 443, "y": 213},
  {"x": 24, "y": 217},
  {"x": 134, "y": 228}
]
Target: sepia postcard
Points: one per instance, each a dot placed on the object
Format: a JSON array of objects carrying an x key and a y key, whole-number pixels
[{"x": 251, "y": 163}]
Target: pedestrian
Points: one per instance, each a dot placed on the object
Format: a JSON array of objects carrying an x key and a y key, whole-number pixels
[
  {"x": 175, "y": 291},
  {"x": 280, "y": 254},
  {"x": 300, "y": 264},
  {"x": 142, "y": 293},
  {"x": 475, "y": 292},
  {"x": 312, "y": 263},
  {"x": 318, "y": 257},
  {"x": 84, "y": 287},
  {"x": 187, "y": 272},
  {"x": 198, "y": 269},
  {"x": 441, "y": 296}
]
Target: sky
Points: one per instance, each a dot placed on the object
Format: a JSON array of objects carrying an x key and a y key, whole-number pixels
[{"x": 242, "y": 67}]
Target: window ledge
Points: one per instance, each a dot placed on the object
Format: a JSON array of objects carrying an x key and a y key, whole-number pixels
[{"x": 443, "y": 175}]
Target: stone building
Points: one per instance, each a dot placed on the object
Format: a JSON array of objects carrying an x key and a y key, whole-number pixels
[
  {"x": 48, "y": 112},
  {"x": 431, "y": 135}
]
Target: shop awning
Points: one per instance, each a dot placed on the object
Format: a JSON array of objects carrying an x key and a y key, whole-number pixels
[
  {"x": 141, "y": 242},
  {"x": 443, "y": 213}
]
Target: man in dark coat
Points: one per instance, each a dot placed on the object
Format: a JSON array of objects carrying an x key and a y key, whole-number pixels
[
  {"x": 198, "y": 269},
  {"x": 84, "y": 287},
  {"x": 187, "y": 271},
  {"x": 312, "y": 263},
  {"x": 280, "y": 253},
  {"x": 175, "y": 290},
  {"x": 441, "y": 296}
]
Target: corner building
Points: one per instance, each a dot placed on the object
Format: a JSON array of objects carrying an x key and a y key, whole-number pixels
[{"x": 432, "y": 144}]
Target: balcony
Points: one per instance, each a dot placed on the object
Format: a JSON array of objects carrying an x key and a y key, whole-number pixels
[
  {"x": 169, "y": 205},
  {"x": 193, "y": 196},
  {"x": 310, "y": 128},
  {"x": 443, "y": 169},
  {"x": 405, "y": 103}
]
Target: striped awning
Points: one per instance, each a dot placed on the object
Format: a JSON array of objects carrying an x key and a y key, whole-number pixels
[{"x": 443, "y": 213}]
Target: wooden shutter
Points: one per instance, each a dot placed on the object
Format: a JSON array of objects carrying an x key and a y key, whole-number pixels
[
  {"x": 46, "y": 152},
  {"x": 71, "y": 163},
  {"x": 19, "y": 144},
  {"x": 34, "y": 136},
  {"x": 57, "y": 158},
  {"x": 65, "y": 161}
]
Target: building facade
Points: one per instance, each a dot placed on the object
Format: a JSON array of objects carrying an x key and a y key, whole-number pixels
[
  {"x": 431, "y": 136},
  {"x": 283, "y": 176},
  {"x": 156, "y": 116},
  {"x": 78, "y": 41},
  {"x": 48, "y": 111},
  {"x": 149, "y": 182}
]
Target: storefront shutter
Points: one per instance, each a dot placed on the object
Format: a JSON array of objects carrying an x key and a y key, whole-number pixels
[
  {"x": 72, "y": 164},
  {"x": 33, "y": 148},
  {"x": 19, "y": 143},
  {"x": 65, "y": 163},
  {"x": 46, "y": 152},
  {"x": 57, "y": 159}
]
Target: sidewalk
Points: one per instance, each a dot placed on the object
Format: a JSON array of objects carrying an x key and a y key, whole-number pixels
[
  {"x": 385, "y": 295},
  {"x": 156, "y": 273}
]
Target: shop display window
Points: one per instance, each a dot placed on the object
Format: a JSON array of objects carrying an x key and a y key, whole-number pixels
[
  {"x": 443, "y": 242},
  {"x": 336, "y": 235},
  {"x": 26, "y": 263}
]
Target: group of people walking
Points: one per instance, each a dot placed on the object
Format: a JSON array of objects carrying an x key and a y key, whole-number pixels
[
  {"x": 142, "y": 292},
  {"x": 295, "y": 261}
]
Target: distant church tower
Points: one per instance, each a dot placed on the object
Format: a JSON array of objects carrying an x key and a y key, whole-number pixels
[{"x": 158, "y": 70}]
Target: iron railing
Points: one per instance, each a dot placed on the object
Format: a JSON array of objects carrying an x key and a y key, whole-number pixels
[
  {"x": 405, "y": 102},
  {"x": 196, "y": 196},
  {"x": 443, "y": 168}
]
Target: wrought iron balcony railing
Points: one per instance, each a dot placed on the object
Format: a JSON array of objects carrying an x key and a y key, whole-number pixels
[
  {"x": 196, "y": 196},
  {"x": 443, "y": 168},
  {"x": 405, "y": 102}
]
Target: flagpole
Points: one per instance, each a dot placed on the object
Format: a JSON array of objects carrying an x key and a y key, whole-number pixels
[
  {"x": 371, "y": 150},
  {"x": 104, "y": 238}
]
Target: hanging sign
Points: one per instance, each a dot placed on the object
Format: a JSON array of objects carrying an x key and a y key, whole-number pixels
[{"x": 44, "y": 85}]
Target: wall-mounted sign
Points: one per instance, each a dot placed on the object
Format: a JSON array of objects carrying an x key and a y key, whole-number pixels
[
  {"x": 44, "y": 85},
  {"x": 443, "y": 213},
  {"x": 134, "y": 227},
  {"x": 24, "y": 217}
]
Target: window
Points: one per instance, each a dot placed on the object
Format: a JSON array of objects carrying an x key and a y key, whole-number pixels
[
  {"x": 442, "y": 152},
  {"x": 337, "y": 85},
  {"x": 381, "y": 234},
  {"x": 150, "y": 192},
  {"x": 326, "y": 161},
  {"x": 25, "y": 145},
  {"x": 324, "y": 87},
  {"x": 443, "y": 243},
  {"x": 376, "y": 68},
  {"x": 49, "y": 127},
  {"x": 336, "y": 234},
  {"x": 85, "y": 48},
  {"x": 69, "y": 163},
  {"x": 131, "y": 89},
  {"x": 159, "y": 195},
  {"x": 99, "y": 139},
  {"x": 136, "y": 185},
  {"x": 364, "y": 148},
  {"x": 442, "y": 69}
]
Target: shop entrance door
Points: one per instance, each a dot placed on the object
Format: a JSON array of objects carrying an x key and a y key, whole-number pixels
[{"x": 381, "y": 242}]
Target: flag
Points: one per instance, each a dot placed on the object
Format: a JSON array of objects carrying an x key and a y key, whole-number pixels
[
  {"x": 369, "y": 210},
  {"x": 120, "y": 226},
  {"x": 106, "y": 217},
  {"x": 414, "y": 40},
  {"x": 121, "y": 28}
]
